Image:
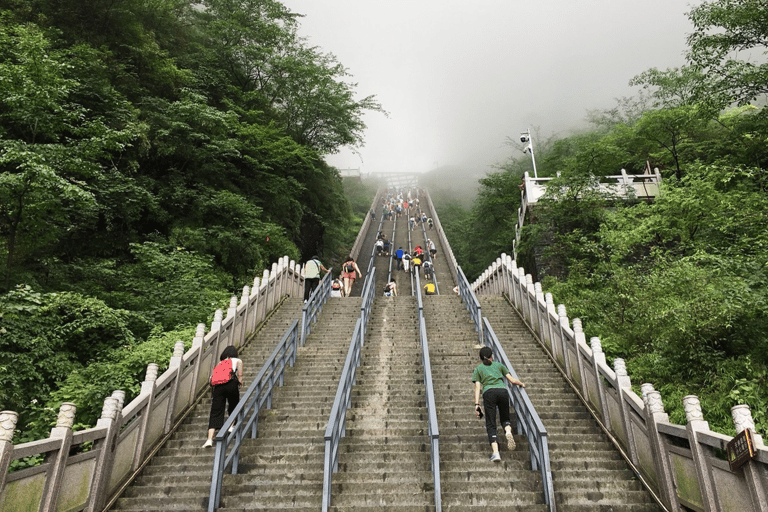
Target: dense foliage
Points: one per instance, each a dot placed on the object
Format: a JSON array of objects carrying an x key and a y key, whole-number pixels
[
  {"x": 677, "y": 287},
  {"x": 154, "y": 157}
]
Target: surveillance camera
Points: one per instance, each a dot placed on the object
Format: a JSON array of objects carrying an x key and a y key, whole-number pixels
[{"x": 523, "y": 138}]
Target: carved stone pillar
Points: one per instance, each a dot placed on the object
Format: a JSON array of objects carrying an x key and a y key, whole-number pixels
[
  {"x": 654, "y": 414},
  {"x": 624, "y": 386},
  {"x": 695, "y": 425},
  {"x": 742, "y": 420},
  {"x": 8, "y": 421},
  {"x": 63, "y": 432},
  {"x": 598, "y": 360}
]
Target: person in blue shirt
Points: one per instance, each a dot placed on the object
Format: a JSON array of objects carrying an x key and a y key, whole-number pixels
[
  {"x": 399, "y": 256},
  {"x": 489, "y": 378}
]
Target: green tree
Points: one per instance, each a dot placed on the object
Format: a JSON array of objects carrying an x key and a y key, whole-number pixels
[
  {"x": 50, "y": 146},
  {"x": 724, "y": 32}
]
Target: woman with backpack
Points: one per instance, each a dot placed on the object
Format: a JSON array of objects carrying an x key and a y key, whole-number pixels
[
  {"x": 489, "y": 378},
  {"x": 226, "y": 392},
  {"x": 349, "y": 270}
]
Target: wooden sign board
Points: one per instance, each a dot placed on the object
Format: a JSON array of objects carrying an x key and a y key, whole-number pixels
[{"x": 740, "y": 449}]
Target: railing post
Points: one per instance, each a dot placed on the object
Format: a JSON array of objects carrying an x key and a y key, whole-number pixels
[
  {"x": 232, "y": 313},
  {"x": 695, "y": 425},
  {"x": 63, "y": 432},
  {"x": 580, "y": 339},
  {"x": 8, "y": 421},
  {"x": 654, "y": 414},
  {"x": 742, "y": 420},
  {"x": 175, "y": 365},
  {"x": 245, "y": 323},
  {"x": 624, "y": 384},
  {"x": 551, "y": 312},
  {"x": 256, "y": 291},
  {"x": 520, "y": 289},
  {"x": 148, "y": 389},
  {"x": 562, "y": 346},
  {"x": 598, "y": 359},
  {"x": 197, "y": 344},
  {"x": 265, "y": 300},
  {"x": 539, "y": 302},
  {"x": 105, "y": 449}
]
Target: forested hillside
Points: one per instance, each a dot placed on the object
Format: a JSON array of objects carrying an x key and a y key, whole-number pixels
[
  {"x": 678, "y": 288},
  {"x": 154, "y": 157}
]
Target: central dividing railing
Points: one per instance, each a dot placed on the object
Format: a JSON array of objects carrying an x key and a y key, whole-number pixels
[
  {"x": 336, "y": 428},
  {"x": 434, "y": 433}
]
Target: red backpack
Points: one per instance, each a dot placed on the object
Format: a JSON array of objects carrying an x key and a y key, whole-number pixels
[{"x": 222, "y": 373}]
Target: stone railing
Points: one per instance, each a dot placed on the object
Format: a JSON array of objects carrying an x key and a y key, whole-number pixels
[
  {"x": 72, "y": 477},
  {"x": 683, "y": 465},
  {"x": 638, "y": 186},
  {"x": 360, "y": 240}
]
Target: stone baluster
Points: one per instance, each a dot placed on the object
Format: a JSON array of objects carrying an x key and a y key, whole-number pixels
[
  {"x": 275, "y": 295},
  {"x": 654, "y": 414},
  {"x": 8, "y": 421},
  {"x": 267, "y": 292},
  {"x": 520, "y": 287},
  {"x": 530, "y": 299},
  {"x": 742, "y": 420},
  {"x": 696, "y": 425},
  {"x": 598, "y": 360},
  {"x": 580, "y": 344},
  {"x": 624, "y": 386},
  {"x": 245, "y": 302},
  {"x": 551, "y": 313},
  {"x": 257, "y": 303},
  {"x": 58, "y": 459},
  {"x": 175, "y": 365},
  {"x": 232, "y": 309},
  {"x": 539, "y": 305},
  {"x": 147, "y": 390},
  {"x": 562, "y": 343},
  {"x": 198, "y": 351},
  {"x": 104, "y": 447}
]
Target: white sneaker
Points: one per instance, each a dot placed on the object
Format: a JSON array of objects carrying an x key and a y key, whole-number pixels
[
  {"x": 495, "y": 458},
  {"x": 208, "y": 444},
  {"x": 510, "y": 441},
  {"x": 231, "y": 429}
]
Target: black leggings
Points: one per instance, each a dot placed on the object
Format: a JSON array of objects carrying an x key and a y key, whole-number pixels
[
  {"x": 223, "y": 394},
  {"x": 493, "y": 398}
]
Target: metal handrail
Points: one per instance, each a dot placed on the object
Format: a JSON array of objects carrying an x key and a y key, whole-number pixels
[
  {"x": 336, "y": 428},
  {"x": 245, "y": 417},
  {"x": 314, "y": 306},
  {"x": 528, "y": 421},
  {"x": 434, "y": 433},
  {"x": 472, "y": 304}
]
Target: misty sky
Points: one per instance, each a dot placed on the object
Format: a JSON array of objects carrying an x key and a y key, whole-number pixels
[{"x": 460, "y": 77}]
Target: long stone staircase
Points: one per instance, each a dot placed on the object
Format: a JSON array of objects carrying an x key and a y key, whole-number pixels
[
  {"x": 384, "y": 461},
  {"x": 283, "y": 467},
  {"x": 588, "y": 473},
  {"x": 469, "y": 480}
]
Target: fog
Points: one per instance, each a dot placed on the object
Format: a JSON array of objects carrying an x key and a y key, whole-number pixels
[{"x": 459, "y": 78}]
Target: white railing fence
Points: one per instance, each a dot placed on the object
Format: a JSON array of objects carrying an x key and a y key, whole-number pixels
[
  {"x": 683, "y": 464},
  {"x": 83, "y": 470}
]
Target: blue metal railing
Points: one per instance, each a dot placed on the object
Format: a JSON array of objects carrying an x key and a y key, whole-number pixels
[
  {"x": 434, "y": 433},
  {"x": 336, "y": 428},
  {"x": 528, "y": 421},
  {"x": 245, "y": 417},
  {"x": 314, "y": 305}
]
